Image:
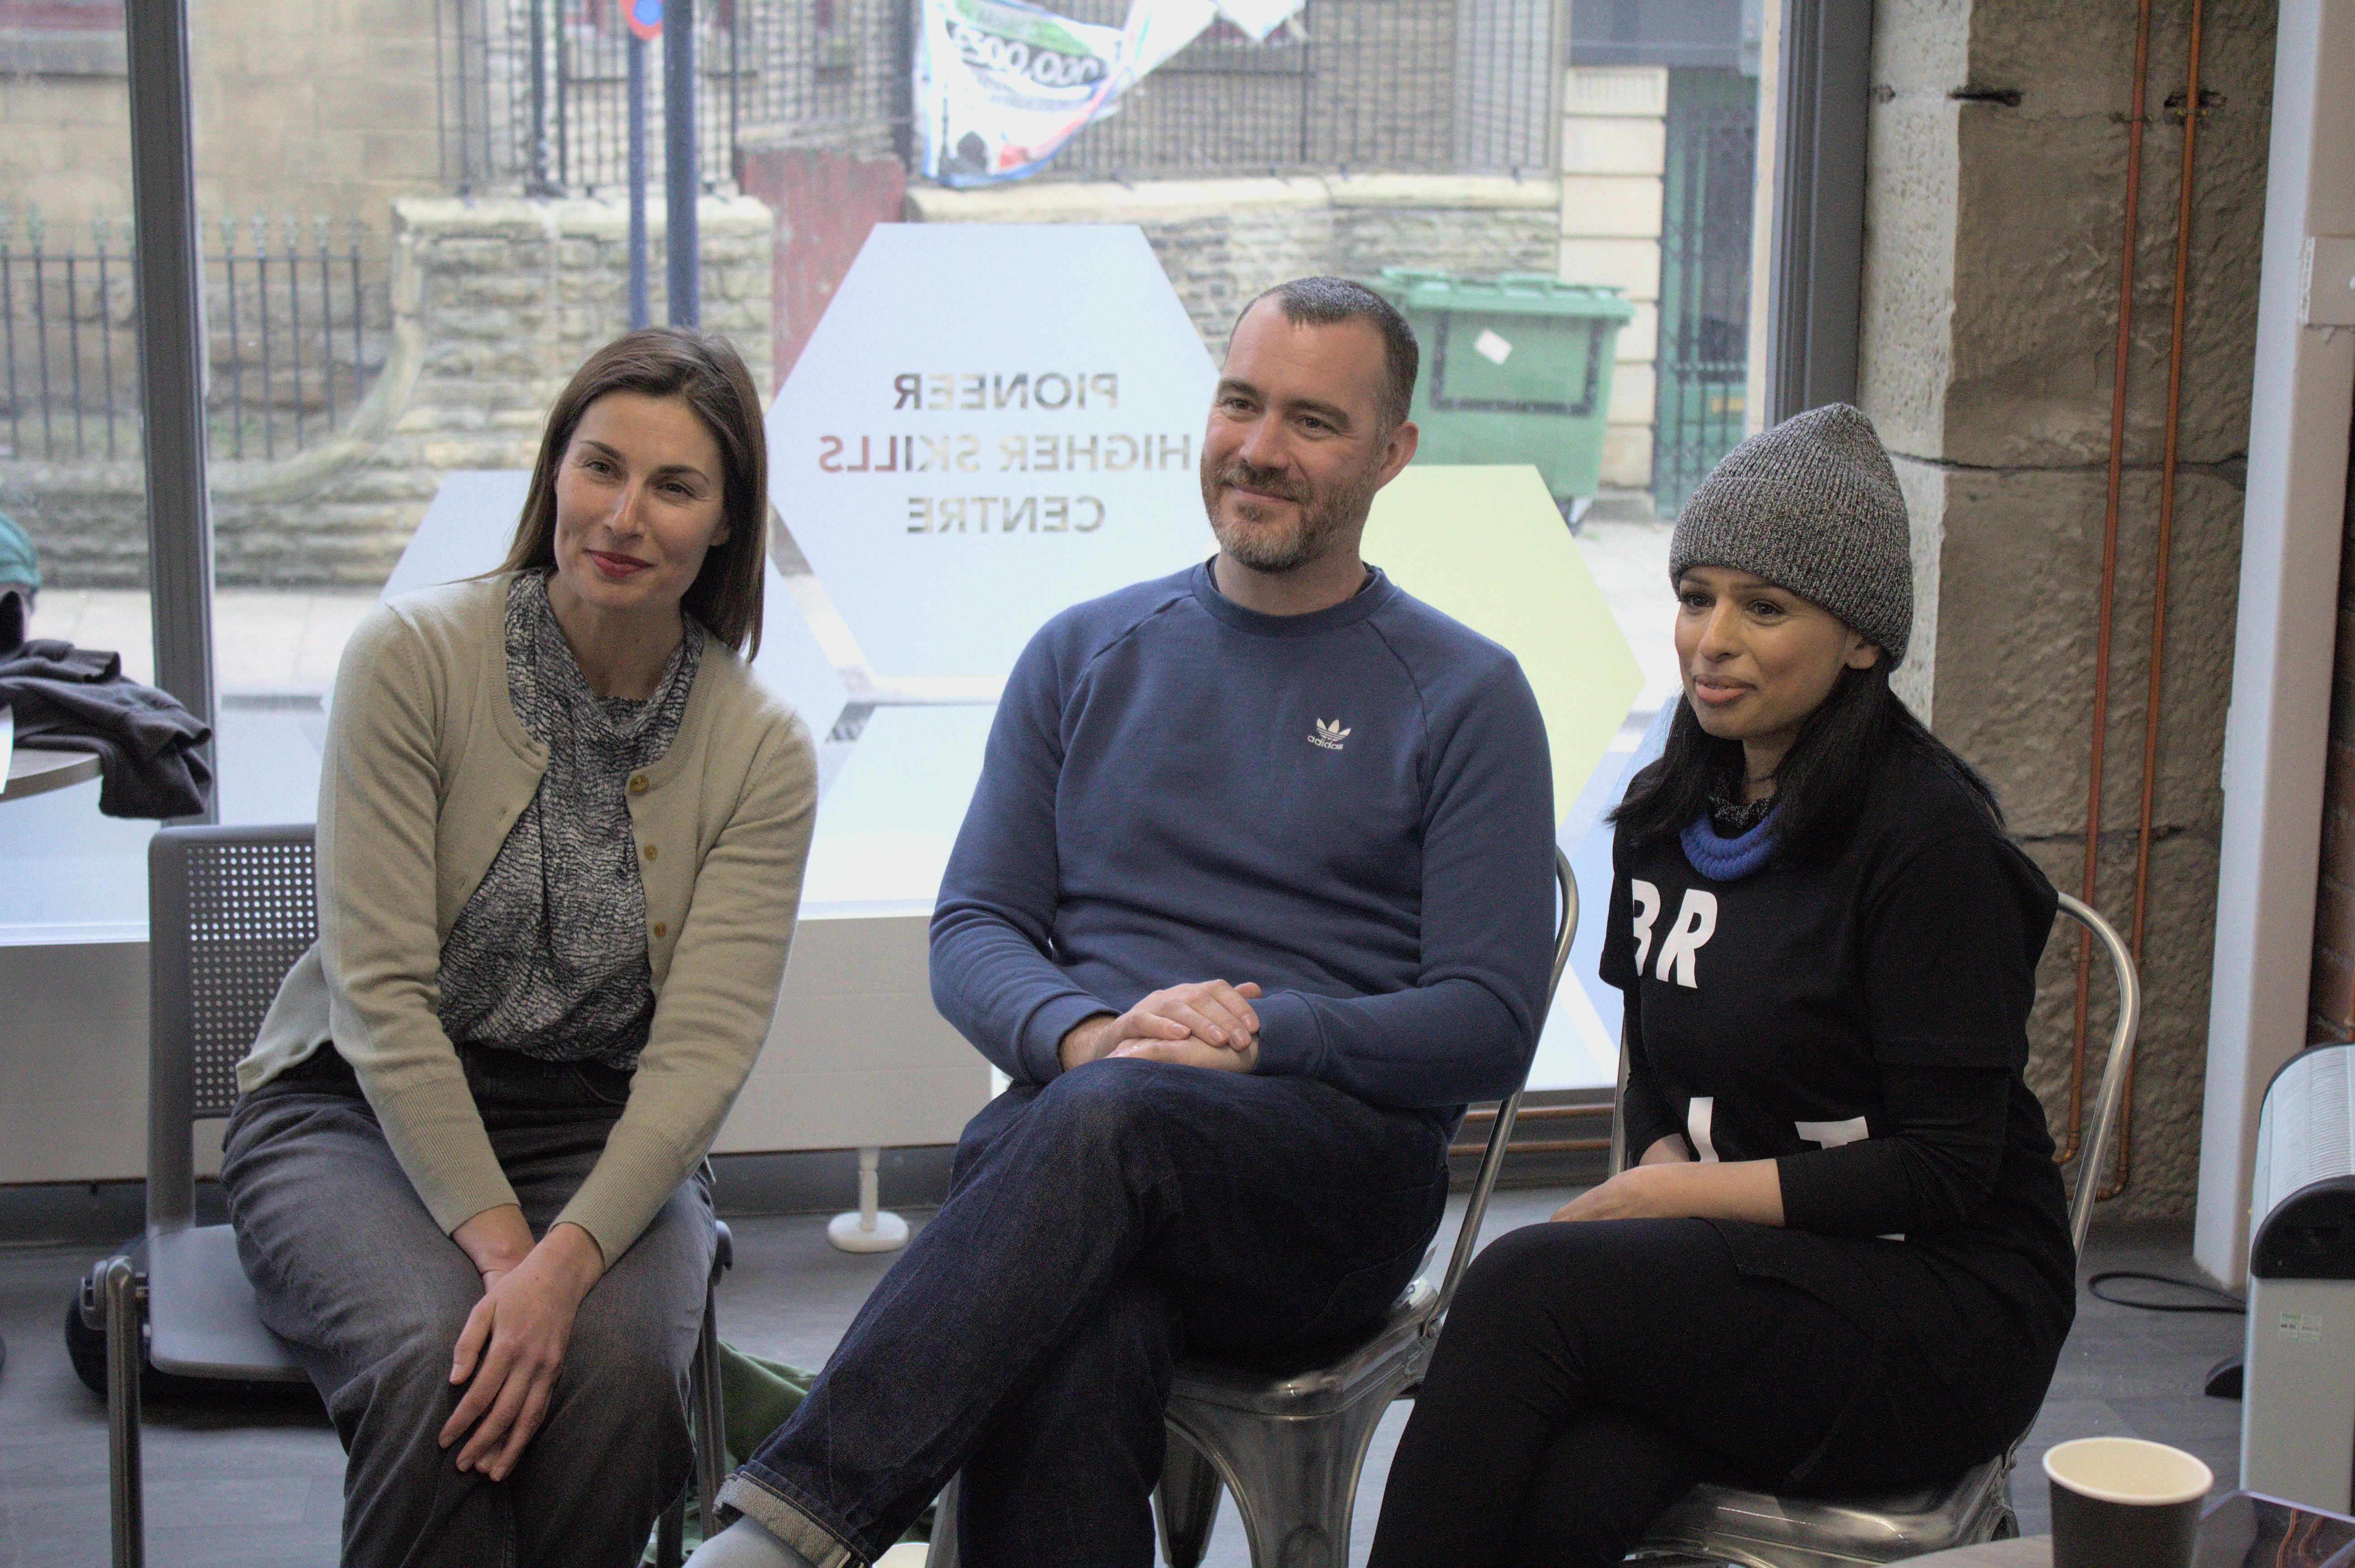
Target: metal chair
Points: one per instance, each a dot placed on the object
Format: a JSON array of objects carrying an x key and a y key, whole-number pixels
[
  {"x": 229, "y": 910},
  {"x": 1290, "y": 1446},
  {"x": 1715, "y": 1524}
]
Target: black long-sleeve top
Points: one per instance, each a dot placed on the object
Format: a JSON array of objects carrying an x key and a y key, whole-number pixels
[{"x": 1862, "y": 1023}]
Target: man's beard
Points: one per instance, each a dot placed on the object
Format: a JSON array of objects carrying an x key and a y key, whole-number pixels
[{"x": 1321, "y": 518}]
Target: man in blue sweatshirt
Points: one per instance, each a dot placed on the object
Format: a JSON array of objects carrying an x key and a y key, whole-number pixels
[{"x": 1254, "y": 895}]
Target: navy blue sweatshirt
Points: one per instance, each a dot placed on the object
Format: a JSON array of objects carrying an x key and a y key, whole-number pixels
[{"x": 1352, "y": 808}]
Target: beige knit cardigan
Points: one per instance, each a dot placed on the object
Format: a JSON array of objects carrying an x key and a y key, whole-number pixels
[{"x": 427, "y": 767}]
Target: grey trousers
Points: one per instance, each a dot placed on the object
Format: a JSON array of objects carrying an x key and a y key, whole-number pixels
[{"x": 349, "y": 1267}]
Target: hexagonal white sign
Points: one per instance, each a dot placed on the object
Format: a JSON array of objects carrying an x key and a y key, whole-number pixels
[{"x": 992, "y": 422}]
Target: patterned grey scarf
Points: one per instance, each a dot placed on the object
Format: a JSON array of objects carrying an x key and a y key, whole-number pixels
[{"x": 548, "y": 956}]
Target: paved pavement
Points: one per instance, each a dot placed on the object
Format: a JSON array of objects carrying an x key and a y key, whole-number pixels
[
  {"x": 281, "y": 643},
  {"x": 278, "y": 642}
]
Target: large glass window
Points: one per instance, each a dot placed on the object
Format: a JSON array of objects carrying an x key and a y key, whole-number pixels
[
  {"x": 413, "y": 222},
  {"x": 69, "y": 433}
]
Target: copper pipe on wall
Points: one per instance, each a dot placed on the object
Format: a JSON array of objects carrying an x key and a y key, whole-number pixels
[
  {"x": 2163, "y": 551},
  {"x": 2089, "y": 878}
]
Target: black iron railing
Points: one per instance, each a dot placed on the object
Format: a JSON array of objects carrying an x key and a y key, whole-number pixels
[
  {"x": 1703, "y": 367},
  {"x": 535, "y": 94},
  {"x": 1432, "y": 86},
  {"x": 294, "y": 313}
]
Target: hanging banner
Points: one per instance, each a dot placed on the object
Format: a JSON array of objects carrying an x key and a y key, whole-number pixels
[
  {"x": 1001, "y": 85},
  {"x": 1257, "y": 18},
  {"x": 1157, "y": 29}
]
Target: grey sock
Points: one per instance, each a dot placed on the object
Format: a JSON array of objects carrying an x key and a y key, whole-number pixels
[{"x": 744, "y": 1544}]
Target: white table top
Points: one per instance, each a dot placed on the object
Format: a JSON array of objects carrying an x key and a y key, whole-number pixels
[{"x": 33, "y": 772}]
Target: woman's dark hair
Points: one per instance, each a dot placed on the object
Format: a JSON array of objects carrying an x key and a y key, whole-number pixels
[
  {"x": 1820, "y": 785},
  {"x": 708, "y": 374}
]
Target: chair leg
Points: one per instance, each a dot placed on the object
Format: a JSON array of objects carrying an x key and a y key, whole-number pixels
[
  {"x": 709, "y": 1421},
  {"x": 942, "y": 1553},
  {"x": 2003, "y": 1521},
  {"x": 123, "y": 1293},
  {"x": 1295, "y": 1481},
  {"x": 1187, "y": 1502},
  {"x": 670, "y": 1534}
]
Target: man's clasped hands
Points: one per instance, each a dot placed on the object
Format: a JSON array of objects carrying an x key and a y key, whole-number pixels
[{"x": 1202, "y": 1023}]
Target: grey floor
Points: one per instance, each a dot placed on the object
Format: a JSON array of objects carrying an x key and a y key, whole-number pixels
[{"x": 260, "y": 1487}]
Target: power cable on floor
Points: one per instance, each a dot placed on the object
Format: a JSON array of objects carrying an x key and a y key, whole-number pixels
[{"x": 2223, "y": 1301}]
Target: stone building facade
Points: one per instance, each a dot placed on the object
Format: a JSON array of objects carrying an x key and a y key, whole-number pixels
[
  {"x": 1994, "y": 210},
  {"x": 1223, "y": 242},
  {"x": 493, "y": 303}
]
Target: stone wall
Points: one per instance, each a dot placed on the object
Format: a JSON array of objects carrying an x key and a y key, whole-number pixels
[
  {"x": 1995, "y": 201},
  {"x": 1223, "y": 242},
  {"x": 298, "y": 106},
  {"x": 493, "y": 305}
]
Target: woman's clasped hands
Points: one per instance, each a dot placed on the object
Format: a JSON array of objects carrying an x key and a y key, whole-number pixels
[{"x": 512, "y": 1347}]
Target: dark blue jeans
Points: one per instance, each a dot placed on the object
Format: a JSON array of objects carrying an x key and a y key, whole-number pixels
[{"x": 1095, "y": 1228}]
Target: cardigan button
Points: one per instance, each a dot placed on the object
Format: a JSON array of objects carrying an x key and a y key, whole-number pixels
[
  {"x": 661, "y": 929},
  {"x": 637, "y": 783},
  {"x": 650, "y": 851}
]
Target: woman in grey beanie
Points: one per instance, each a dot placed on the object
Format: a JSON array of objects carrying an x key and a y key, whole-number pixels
[{"x": 1842, "y": 1259}]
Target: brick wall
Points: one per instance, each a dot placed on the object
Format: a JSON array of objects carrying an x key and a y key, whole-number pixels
[{"x": 493, "y": 305}]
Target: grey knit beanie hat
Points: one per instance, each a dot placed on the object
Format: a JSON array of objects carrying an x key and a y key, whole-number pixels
[{"x": 1811, "y": 505}]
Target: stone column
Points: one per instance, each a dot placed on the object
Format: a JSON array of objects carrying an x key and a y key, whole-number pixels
[
  {"x": 1995, "y": 192},
  {"x": 1614, "y": 161}
]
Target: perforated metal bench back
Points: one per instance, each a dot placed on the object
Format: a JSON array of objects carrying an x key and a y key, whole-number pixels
[{"x": 245, "y": 912}]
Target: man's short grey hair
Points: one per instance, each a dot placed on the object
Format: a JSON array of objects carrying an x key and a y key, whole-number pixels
[{"x": 1324, "y": 302}]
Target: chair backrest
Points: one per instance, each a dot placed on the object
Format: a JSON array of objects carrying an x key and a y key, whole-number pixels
[
  {"x": 228, "y": 911},
  {"x": 2096, "y": 1145},
  {"x": 2093, "y": 1157},
  {"x": 1492, "y": 1160}
]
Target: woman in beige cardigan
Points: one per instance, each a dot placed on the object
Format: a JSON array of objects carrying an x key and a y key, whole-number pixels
[{"x": 561, "y": 834}]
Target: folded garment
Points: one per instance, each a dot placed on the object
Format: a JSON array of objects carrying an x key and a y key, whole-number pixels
[{"x": 150, "y": 749}]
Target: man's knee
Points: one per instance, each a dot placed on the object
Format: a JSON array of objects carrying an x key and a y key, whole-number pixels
[
  {"x": 1098, "y": 1100},
  {"x": 1113, "y": 1105}
]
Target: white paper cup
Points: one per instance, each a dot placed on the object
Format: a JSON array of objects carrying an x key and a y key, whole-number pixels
[{"x": 2121, "y": 1502}]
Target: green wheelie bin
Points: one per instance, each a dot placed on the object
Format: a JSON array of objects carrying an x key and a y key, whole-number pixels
[{"x": 1515, "y": 369}]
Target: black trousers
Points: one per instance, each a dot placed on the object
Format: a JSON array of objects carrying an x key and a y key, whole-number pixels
[{"x": 1589, "y": 1373}]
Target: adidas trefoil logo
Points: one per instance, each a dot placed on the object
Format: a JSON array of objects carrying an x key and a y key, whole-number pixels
[{"x": 1328, "y": 735}]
